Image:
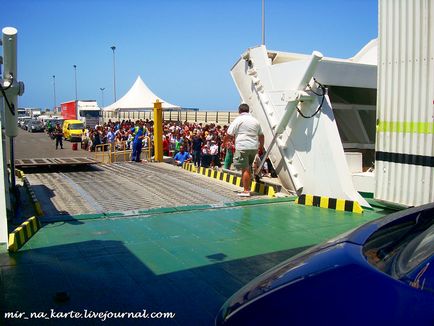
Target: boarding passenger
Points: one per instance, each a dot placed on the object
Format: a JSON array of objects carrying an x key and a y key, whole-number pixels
[
  {"x": 230, "y": 150},
  {"x": 206, "y": 157},
  {"x": 178, "y": 143},
  {"x": 111, "y": 138},
  {"x": 248, "y": 140},
  {"x": 130, "y": 138},
  {"x": 197, "y": 142},
  {"x": 214, "y": 151},
  {"x": 96, "y": 138},
  {"x": 119, "y": 143},
  {"x": 49, "y": 127},
  {"x": 182, "y": 156},
  {"x": 264, "y": 170},
  {"x": 84, "y": 139},
  {"x": 166, "y": 145}
]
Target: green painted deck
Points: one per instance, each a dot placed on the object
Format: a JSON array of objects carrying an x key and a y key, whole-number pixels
[{"x": 187, "y": 261}]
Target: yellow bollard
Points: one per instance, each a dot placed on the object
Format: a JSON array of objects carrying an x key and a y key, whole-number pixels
[{"x": 158, "y": 131}]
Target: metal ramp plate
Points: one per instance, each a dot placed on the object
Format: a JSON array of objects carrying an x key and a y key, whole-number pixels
[{"x": 54, "y": 161}]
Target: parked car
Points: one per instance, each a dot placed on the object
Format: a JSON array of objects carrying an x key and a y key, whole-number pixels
[
  {"x": 23, "y": 121},
  {"x": 379, "y": 274},
  {"x": 26, "y": 124},
  {"x": 19, "y": 119},
  {"x": 35, "y": 126}
]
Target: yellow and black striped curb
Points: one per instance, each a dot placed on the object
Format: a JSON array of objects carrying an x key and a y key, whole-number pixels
[
  {"x": 331, "y": 203},
  {"x": 35, "y": 202},
  {"x": 23, "y": 233},
  {"x": 259, "y": 187}
]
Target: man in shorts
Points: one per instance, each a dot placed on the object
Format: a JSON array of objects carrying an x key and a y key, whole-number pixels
[{"x": 248, "y": 140}]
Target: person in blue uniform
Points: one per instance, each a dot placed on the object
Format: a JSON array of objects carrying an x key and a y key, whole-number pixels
[{"x": 137, "y": 144}]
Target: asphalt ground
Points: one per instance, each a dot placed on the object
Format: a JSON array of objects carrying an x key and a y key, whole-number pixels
[{"x": 40, "y": 145}]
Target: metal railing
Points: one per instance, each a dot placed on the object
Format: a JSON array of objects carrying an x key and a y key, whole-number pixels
[
  {"x": 121, "y": 151},
  {"x": 147, "y": 149},
  {"x": 103, "y": 151}
]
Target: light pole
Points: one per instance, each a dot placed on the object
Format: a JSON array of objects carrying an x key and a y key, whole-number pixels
[
  {"x": 114, "y": 71},
  {"x": 54, "y": 91},
  {"x": 75, "y": 78},
  {"x": 263, "y": 22},
  {"x": 102, "y": 95}
]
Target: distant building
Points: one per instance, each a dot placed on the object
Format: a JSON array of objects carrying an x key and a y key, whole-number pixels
[{"x": 32, "y": 112}]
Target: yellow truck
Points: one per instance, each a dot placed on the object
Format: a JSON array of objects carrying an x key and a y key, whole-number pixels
[{"x": 73, "y": 130}]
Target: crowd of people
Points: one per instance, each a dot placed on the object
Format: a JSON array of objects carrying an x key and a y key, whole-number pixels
[
  {"x": 205, "y": 145},
  {"x": 202, "y": 142}
]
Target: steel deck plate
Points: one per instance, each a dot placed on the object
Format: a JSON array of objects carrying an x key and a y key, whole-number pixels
[{"x": 22, "y": 163}]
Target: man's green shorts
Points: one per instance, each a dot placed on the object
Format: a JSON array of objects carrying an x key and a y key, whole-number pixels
[{"x": 244, "y": 159}]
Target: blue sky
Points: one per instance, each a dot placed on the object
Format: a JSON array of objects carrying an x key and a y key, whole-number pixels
[{"x": 183, "y": 50}]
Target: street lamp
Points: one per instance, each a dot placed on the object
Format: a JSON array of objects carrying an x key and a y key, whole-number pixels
[
  {"x": 54, "y": 91},
  {"x": 75, "y": 78},
  {"x": 263, "y": 22},
  {"x": 102, "y": 95},
  {"x": 114, "y": 71}
]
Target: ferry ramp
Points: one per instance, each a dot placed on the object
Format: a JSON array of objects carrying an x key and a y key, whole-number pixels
[{"x": 125, "y": 187}]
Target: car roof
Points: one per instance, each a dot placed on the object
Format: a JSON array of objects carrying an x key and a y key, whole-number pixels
[{"x": 362, "y": 234}]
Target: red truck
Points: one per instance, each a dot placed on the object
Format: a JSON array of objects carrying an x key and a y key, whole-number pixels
[{"x": 87, "y": 111}]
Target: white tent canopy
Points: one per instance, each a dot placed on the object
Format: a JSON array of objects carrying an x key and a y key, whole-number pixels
[{"x": 139, "y": 98}]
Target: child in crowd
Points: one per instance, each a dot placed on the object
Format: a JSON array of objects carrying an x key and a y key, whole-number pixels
[
  {"x": 214, "y": 152},
  {"x": 257, "y": 163}
]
